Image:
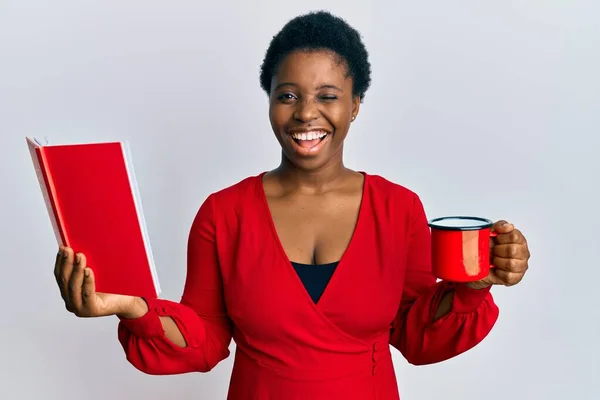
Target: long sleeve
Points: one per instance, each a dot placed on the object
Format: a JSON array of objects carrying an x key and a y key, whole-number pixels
[
  {"x": 472, "y": 316},
  {"x": 200, "y": 316}
]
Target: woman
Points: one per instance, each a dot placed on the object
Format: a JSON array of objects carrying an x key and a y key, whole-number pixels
[{"x": 313, "y": 269}]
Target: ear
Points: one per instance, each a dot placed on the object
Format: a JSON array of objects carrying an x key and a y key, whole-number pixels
[{"x": 355, "y": 107}]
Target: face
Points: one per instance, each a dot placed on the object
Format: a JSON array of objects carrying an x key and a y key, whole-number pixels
[{"x": 311, "y": 108}]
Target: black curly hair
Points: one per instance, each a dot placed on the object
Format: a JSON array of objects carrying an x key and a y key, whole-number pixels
[{"x": 319, "y": 30}]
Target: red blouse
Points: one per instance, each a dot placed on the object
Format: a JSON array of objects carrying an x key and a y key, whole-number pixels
[{"x": 241, "y": 285}]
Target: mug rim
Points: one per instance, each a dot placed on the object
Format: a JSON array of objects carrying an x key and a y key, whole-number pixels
[{"x": 487, "y": 223}]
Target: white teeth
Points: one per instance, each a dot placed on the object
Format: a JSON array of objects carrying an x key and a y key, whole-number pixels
[{"x": 310, "y": 135}]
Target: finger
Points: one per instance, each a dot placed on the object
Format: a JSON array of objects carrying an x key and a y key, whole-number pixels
[
  {"x": 65, "y": 275},
  {"x": 506, "y": 278},
  {"x": 518, "y": 251},
  {"x": 510, "y": 264},
  {"x": 58, "y": 265},
  {"x": 502, "y": 226},
  {"x": 88, "y": 289},
  {"x": 76, "y": 283},
  {"x": 491, "y": 279},
  {"x": 514, "y": 236},
  {"x": 58, "y": 262}
]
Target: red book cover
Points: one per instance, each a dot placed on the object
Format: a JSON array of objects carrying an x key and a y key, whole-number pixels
[{"x": 94, "y": 206}]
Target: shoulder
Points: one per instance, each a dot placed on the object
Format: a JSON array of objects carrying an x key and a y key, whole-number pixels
[
  {"x": 384, "y": 189},
  {"x": 242, "y": 190},
  {"x": 397, "y": 202},
  {"x": 226, "y": 203},
  {"x": 231, "y": 199}
]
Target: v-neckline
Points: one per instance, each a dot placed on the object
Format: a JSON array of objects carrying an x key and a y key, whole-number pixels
[{"x": 289, "y": 266}]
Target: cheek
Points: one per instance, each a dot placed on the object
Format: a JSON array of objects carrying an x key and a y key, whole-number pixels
[
  {"x": 339, "y": 116},
  {"x": 340, "y": 111},
  {"x": 278, "y": 117}
]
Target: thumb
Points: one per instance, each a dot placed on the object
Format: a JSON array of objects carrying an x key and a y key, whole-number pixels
[{"x": 502, "y": 226}]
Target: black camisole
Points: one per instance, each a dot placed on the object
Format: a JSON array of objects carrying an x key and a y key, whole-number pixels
[{"x": 315, "y": 277}]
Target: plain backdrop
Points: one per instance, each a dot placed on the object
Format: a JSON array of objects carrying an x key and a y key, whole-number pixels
[{"x": 488, "y": 108}]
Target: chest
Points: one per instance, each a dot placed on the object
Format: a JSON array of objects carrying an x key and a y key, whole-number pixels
[
  {"x": 315, "y": 230},
  {"x": 265, "y": 297}
]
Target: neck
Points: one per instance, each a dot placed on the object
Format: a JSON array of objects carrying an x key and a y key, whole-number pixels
[{"x": 312, "y": 181}]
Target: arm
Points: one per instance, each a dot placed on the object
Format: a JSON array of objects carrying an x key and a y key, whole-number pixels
[
  {"x": 138, "y": 307},
  {"x": 163, "y": 337},
  {"x": 437, "y": 321}
]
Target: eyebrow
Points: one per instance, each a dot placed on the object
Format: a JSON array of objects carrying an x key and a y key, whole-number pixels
[{"x": 324, "y": 86}]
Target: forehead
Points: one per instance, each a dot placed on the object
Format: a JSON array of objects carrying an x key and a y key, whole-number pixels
[{"x": 312, "y": 68}]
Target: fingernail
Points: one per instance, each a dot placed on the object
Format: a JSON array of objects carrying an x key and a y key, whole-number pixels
[
  {"x": 87, "y": 272},
  {"x": 78, "y": 259},
  {"x": 505, "y": 224}
]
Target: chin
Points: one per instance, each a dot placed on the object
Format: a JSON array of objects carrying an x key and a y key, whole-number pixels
[{"x": 307, "y": 165}]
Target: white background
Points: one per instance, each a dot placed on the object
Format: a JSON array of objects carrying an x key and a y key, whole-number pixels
[{"x": 488, "y": 108}]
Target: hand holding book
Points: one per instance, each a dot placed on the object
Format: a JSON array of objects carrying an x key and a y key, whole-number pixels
[
  {"x": 96, "y": 213},
  {"x": 78, "y": 290},
  {"x": 95, "y": 209}
]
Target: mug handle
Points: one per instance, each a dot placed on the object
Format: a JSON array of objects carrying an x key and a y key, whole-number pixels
[{"x": 493, "y": 234}]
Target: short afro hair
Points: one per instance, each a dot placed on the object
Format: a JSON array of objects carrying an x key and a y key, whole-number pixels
[{"x": 319, "y": 30}]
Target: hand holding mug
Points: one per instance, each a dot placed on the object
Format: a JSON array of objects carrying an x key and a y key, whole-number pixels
[
  {"x": 510, "y": 256},
  {"x": 477, "y": 252}
]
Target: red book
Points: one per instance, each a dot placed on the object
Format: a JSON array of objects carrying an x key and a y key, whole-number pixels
[{"x": 94, "y": 206}]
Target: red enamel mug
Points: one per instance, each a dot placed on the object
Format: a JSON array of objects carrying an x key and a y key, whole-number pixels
[{"x": 460, "y": 248}]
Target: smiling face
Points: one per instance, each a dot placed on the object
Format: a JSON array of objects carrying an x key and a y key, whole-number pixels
[{"x": 312, "y": 107}]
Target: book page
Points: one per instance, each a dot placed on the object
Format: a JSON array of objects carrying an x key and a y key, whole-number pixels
[
  {"x": 140, "y": 212},
  {"x": 34, "y": 146}
]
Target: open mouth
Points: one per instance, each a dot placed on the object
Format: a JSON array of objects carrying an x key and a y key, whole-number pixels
[{"x": 309, "y": 140}]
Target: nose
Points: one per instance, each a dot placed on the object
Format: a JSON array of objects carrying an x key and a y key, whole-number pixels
[{"x": 306, "y": 111}]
